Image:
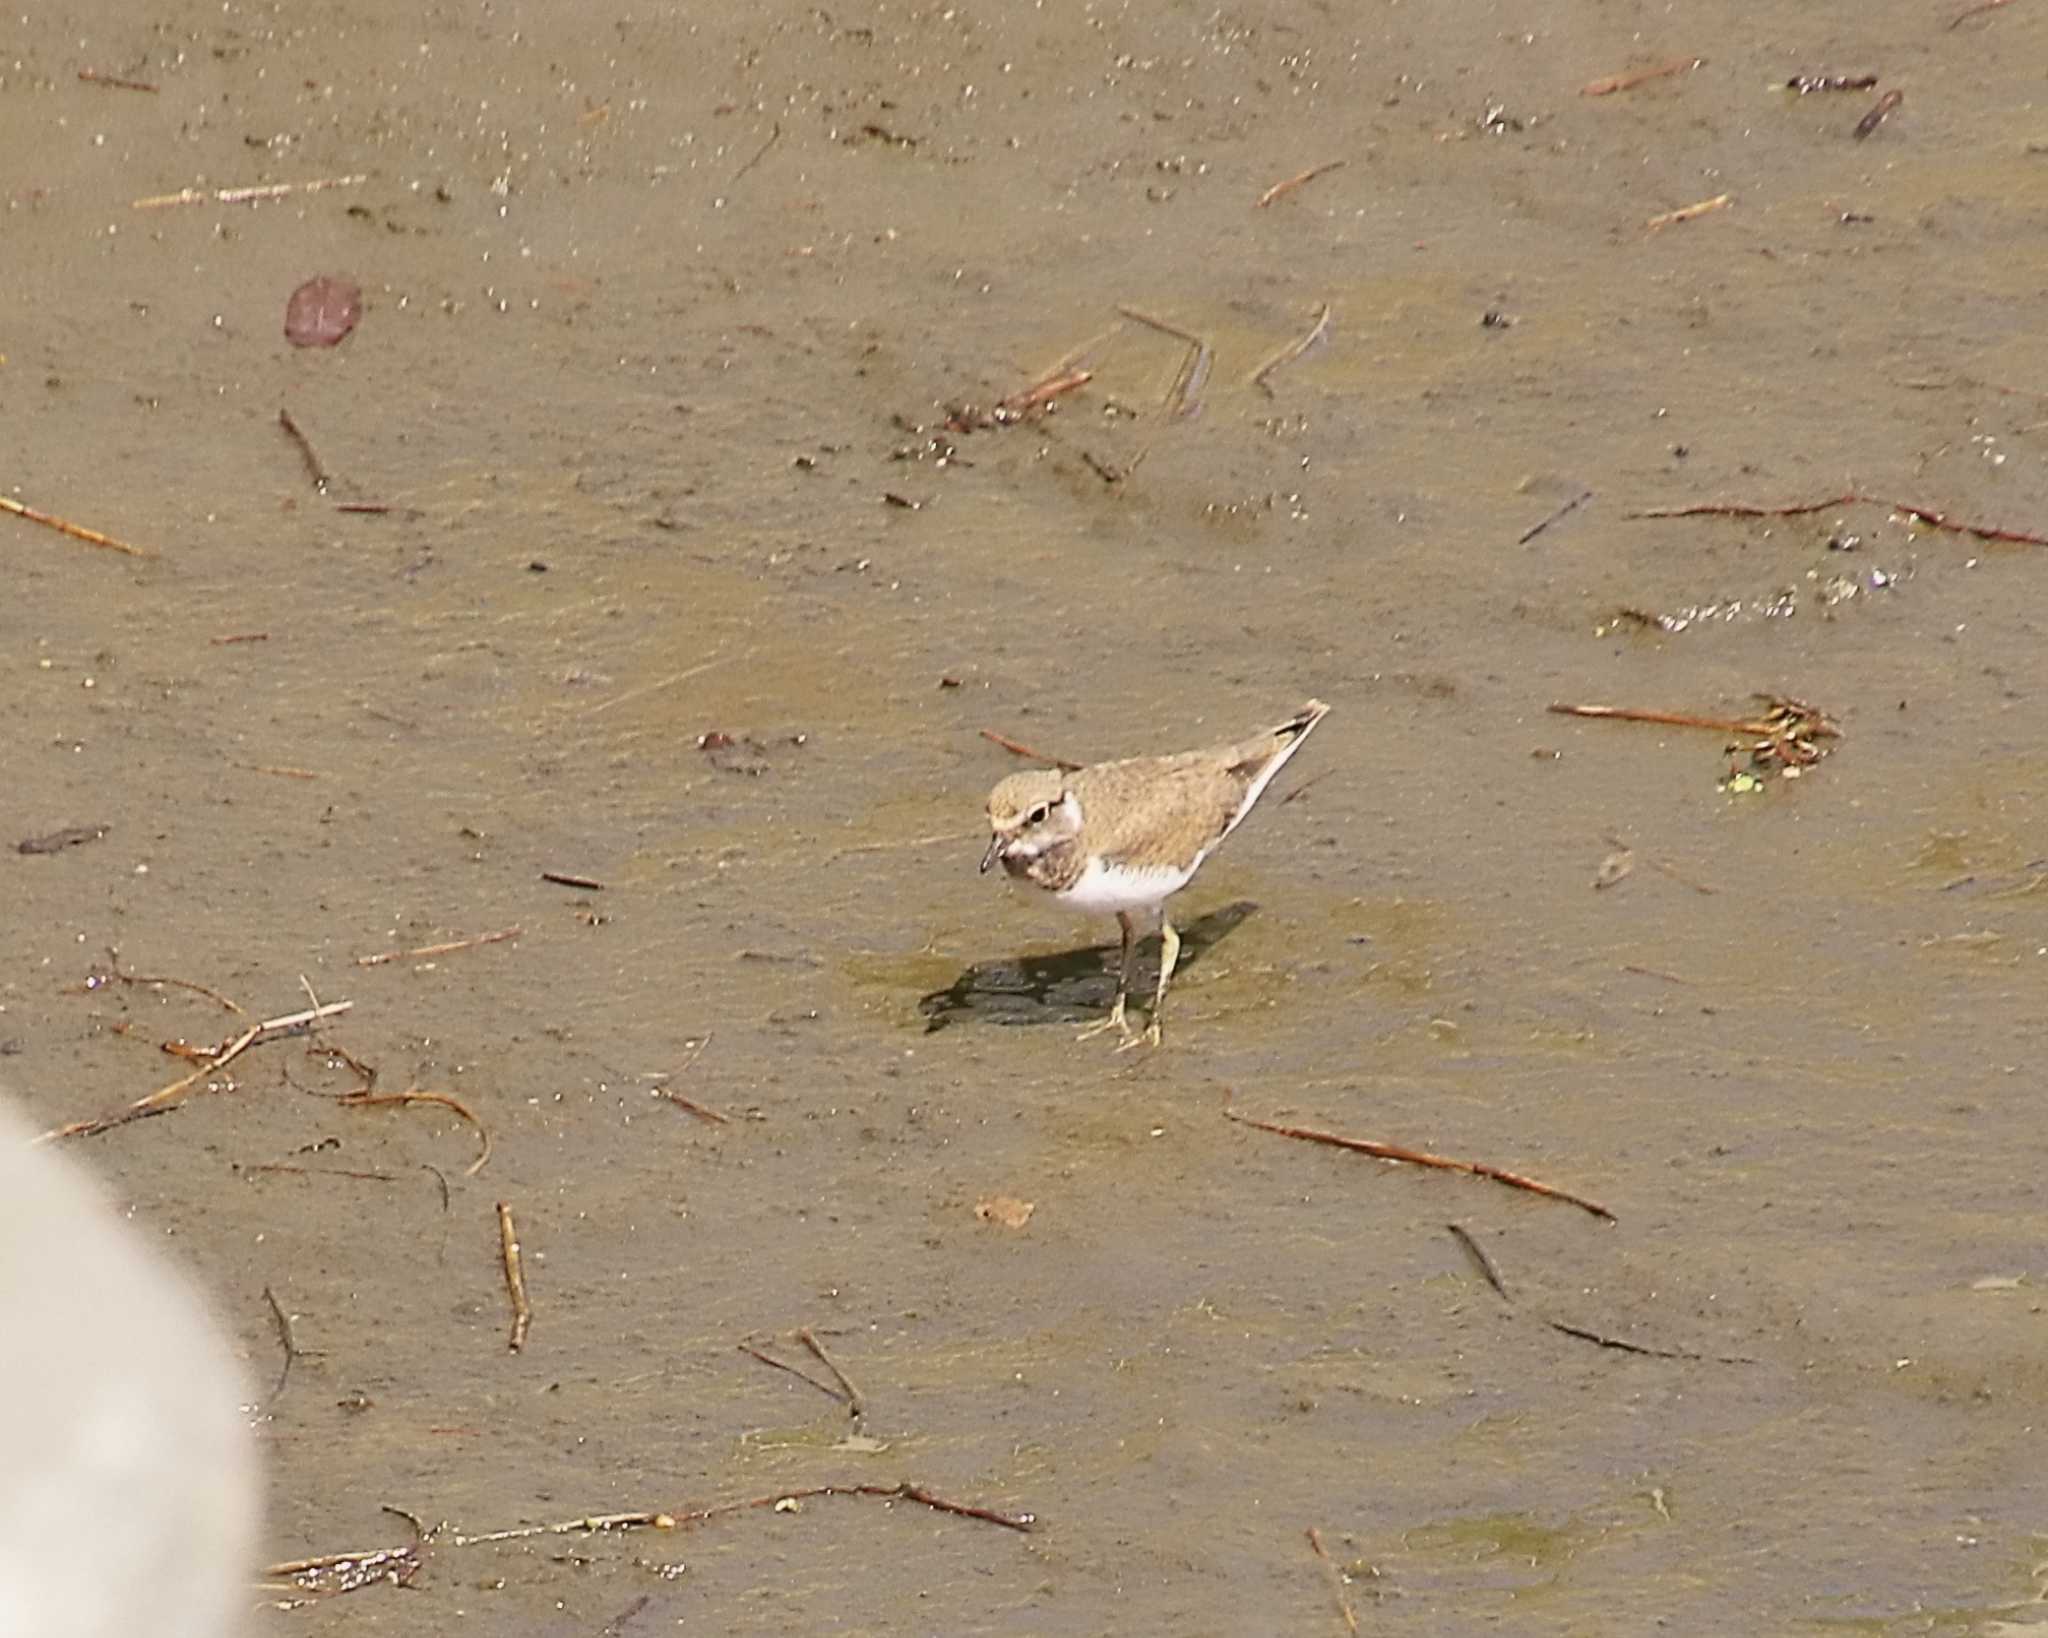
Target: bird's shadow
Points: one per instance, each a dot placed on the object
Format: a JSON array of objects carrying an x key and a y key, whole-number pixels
[{"x": 1073, "y": 987}]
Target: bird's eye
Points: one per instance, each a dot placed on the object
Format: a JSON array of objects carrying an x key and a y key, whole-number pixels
[{"x": 1037, "y": 815}]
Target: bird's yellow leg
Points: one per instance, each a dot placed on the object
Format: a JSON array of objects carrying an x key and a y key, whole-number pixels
[{"x": 1169, "y": 953}]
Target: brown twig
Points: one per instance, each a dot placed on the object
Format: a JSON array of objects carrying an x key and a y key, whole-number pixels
[
  {"x": 1040, "y": 393},
  {"x": 1982, "y": 531},
  {"x": 760, "y": 153},
  {"x": 1786, "y": 733},
  {"x": 1419, "y": 1157},
  {"x": 363, "y": 1098},
  {"x": 1879, "y": 112},
  {"x": 1016, "y": 749},
  {"x": 1621, "y": 1346},
  {"x": 306, "y": 451},
  {"x": 158, "y": 1101},
  {"x": 1282, "y": 188},
  {"x": 334, "y": 1573},
  {"x": 1316, "y": 332},
  {"x": 702, "y": 1111},
  {"x": 562, "y": 878},
  {"x": 1023, "y": 1523},
  {"x": 283, "y": 1322},
  {"x": 239, "y": 637},
  {"x": 283, "y": 1169},
  {"x": 515, "y": 1278},
  {"x": 1477, "y": 1253},
  {"x": 1923, "y": 514},
  {"x": 1979, "y": 9},
  {"x": 805, "y": 1377},
  {"x": 92, "y": 76},
  {"x": 244, "y": 196},
  {"x": 384, "y": 956},
  {"x": 1335, "y": 1577},
  {"x": 77, "y": 531},
  {"x": 1669, "y": 719},
  {"x": 1608, "y": 84},
  {"x": 1562, "y": 512},
  {"x": 1687, "y": 213},
  {"x": 856, "y": 1407}
]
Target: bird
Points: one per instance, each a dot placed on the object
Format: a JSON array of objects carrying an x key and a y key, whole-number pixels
[{"x": 1126, "y": 836}]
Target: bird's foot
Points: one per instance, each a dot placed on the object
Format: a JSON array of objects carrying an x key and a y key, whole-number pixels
[
  {"x": 1115, "y": 1021},
  {"x": 1148, "y": 1036}
]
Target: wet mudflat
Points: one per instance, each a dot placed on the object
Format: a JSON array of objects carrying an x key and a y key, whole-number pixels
[{"x": 697, "y": 554}]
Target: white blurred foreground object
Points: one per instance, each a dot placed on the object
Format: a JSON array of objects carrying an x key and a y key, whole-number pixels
[{"x": 128, "y": 1488}]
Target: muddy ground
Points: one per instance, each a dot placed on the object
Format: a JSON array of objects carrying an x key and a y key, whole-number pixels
[{"x": 661, "y": 307}]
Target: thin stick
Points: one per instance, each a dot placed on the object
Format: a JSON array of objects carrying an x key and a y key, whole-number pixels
[
  {"x": 306, "y": 450},
  {"x": 1687, "y": 213},
  {"x": 1669, "y": 719},
  {"x": 906, "y": 1491},
  {"x": 760, "y": 153},
  {"x": 1983, "y": 531},
  {"x": 1922, "y": 514},
  {"x": 805, "y": 1377},
  {"x": 1293, "y": 350},
  {"x": 176, "y": 983},
  {"x": 284, "y": 1336},
  {"x": 1474, "y": 1250},
  {"x": 1619, "y": 1345},
  {"x": 701, "y": 1111},
  {"x": 515, "y": 1278},
  {"x": 1683, "y": 880},
  {"x": 1654, "y": 972},
  {"x": 240, "y": 637},
  {"x": 159, "y": 1100},
  {"x": 77, "y": 531},
  {"x": 1744, "y": 509},
  {"x": 1278, "y": 189},
  {"x": 1335, "y": 1577},
  {"x": 1563, "y": 511},
  {"x": 1983, "y": 6},
  {"x": 563, "y": 878},
  {"x": 1160, "y": 325},
  {"x": 1611, "y": 83},
  {"x": 1419, "y": 1157},
  {"x": 244, "y": 196},
  {"x": 320, "y": 1171},
  {"x": 93, "y": 76},
  {"x": 279, "y": 771},
  {"x": 499, "y": 937},
  {"x": 366, "y": 1099},
  {"x": 856, "y": 1407},
  {"x": 648, "y": 688},
  {"x": 1184, "y": 396},
  {"x": 1016, "y": 749}
]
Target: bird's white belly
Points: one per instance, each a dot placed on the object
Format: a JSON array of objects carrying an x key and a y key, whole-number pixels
[{"x": 1106, "y": 888}]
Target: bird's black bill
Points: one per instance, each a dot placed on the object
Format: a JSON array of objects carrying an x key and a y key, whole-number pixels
[{"x": 995, "y": 847}]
